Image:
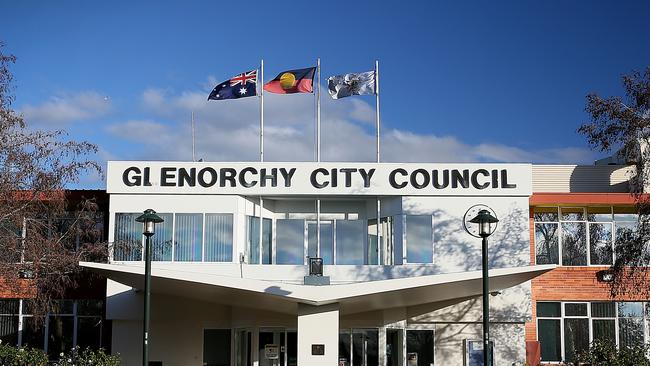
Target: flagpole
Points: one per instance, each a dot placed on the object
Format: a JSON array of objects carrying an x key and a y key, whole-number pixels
[
  {"x": 193, "y": 143},
  {"x": 378, "y": 131},
  {"x": 261, "y": 83},
  {"x": 318, "y": 254}
]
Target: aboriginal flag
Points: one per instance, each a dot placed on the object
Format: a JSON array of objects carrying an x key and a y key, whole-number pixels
[{"x": 292, "y": 81}]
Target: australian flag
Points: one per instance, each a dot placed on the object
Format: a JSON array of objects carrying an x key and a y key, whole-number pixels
[{"x": 239, "y": 86}]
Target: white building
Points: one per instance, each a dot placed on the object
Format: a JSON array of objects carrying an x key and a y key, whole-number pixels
[{"x": 404, "y": 293}]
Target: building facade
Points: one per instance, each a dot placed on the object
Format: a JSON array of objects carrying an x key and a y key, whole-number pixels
[
  {"x": 577, "y": 228},
  {"x": 78, "y": 319},
  {"x": 404, "y": 276}
]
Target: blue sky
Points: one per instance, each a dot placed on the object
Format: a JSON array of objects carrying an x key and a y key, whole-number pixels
[{"x": 460, "y": 81}]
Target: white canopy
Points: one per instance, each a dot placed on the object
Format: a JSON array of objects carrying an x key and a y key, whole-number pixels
[{"x": 285, "y": 297}]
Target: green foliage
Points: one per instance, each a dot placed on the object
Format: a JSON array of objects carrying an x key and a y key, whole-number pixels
[
  {"x": 23, "y": 356},
  {"x": 603, "y": 353},
  {"x": 87, "y": 357}
]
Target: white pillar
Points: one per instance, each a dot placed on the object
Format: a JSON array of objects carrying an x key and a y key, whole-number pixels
[{"x": 318, "y": 325}]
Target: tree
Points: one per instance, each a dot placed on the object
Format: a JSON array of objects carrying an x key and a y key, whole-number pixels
[
  {"x": 43, "y": 233},
  {"x": 623, "y": 124}
]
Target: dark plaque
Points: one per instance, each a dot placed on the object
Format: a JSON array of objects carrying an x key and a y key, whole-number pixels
[{"x": 318, "y": 349}]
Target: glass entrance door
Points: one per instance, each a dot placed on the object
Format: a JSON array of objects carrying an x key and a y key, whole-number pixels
[
  {"x": 278, "y": 347},
  {"x": 243, "y": 349},
  {"x": 359, "y": 347},
  {"x": 394, "y": 347}
]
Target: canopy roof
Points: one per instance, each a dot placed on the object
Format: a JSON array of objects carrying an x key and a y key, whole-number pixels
[{"x": 285, "y": 297}]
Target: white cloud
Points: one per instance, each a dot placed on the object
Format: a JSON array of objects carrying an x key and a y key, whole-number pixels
[
  {"x": 229, "y": 131},
  {"x": 68, "y": 108}
]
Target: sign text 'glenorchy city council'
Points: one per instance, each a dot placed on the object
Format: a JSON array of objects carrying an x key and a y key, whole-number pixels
[{"x": 285, "y": 178}]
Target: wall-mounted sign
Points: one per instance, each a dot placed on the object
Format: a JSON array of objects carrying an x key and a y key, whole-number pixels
[
  {"x": 141, "y": 177},
  {"x": 271, "y": 351},
  {"x": 412, "y": 359},
  {"x": 318, "y": 349}
]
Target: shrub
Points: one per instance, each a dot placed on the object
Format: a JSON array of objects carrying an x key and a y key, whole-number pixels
[
  {"x": 23, "y": 356},
  {"x": 603, "y": 353},
  {"x": 87, "y": 357}
]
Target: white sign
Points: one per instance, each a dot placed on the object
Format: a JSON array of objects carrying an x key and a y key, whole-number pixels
[
  {"x": 271, "y": 351},
  {"x": 286, "y": 178}
]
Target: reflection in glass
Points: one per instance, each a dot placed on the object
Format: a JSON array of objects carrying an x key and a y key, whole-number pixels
[
  {"x": 394, "y": 347},
  {"x": 571, "y": 309},
  {"x": 421, "y": 343},
  {"x": 127, "y": 243},
  {"x": 89, "y": 332},
  {"x": 600, "y": 243},
  {"x": 218, "y": 237},
  {"x": 161, "y": 246},
  {"x": 546, "y": 244},
  {"x": 599, "y": 214},
  {"x": 59, "y": 335},
  {"x": 33, "y": 335},
  {"x": 603, "y": 310},
  {"x": 572, "y": 213},
  {"x": 188, "y": 239},
  {"x": 290, "y": 241},
  {"x": 349, "y": 241},
  {"x": 326, "y": 241},
  {"x": 604, "y": 330},
  {"x": 419, "y": 239},
  {"x": 546, "y": 214},
  {"x": 574, "y": 244},
  {"x": 253, "y": 240},
  {"x": 576, "y": 337}
]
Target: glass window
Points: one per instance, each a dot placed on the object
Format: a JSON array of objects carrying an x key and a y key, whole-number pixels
[
  {"x": 574, "y": 244},
  {"x": 572, "y": 213},
  {"x": 549, "y": 338},
  {"x": 33, "y": 333},
  {"x": 373, "y": 248},
  {"x": 545, "y": 214},
  {"x": 218, "y": 237},
  {"x": 326, "y": 241},
  {"x": 349, "y": 241},
  {"x": 9, "y": 321},
  {"x": 216, "y": 347},
  {"x": 365, "y": 347},
  {"x": 603, "y": 309},
  {"x": 548, "y": 309},
  {"x": 626, "y": 233},
  {"x": 571, "y": 309},
  {"x": 630, "y": 309},
  {"x": 420, "y": 342},
  {"x": 600, "y": 243},
  {"x": 546, "y": 244},
  {"x": 59, "y": 335},
  {"x": 127, "y": 244},
  {"x": 253, "y": 240},
  {"x": 576, "y": 337},
  {"x": 419, "y": 239},
  {"x": 599, "y": 214},
  {"x": 188, "y": 239},
  {"x": 89, "y": 332},
  {"x": 604, "y": 330},
  {"x": 626, "y": 213},
  {"x": 161, "y": 246},
  {"x": 290, "y": 241}
]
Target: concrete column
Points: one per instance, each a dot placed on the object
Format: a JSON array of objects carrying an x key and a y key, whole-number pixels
[{"x": 318, "y": 325}]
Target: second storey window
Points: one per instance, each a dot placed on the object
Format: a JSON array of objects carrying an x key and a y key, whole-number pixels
[{"x": 579, "y": 236}]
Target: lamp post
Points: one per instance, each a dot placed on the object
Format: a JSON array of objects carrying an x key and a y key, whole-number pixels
[
  {"x": 149, "y": 219},
  {"x": 486, "y": 225}
]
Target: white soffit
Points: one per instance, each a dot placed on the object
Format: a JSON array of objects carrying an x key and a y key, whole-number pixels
[{"x": 352, "y": 297}]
